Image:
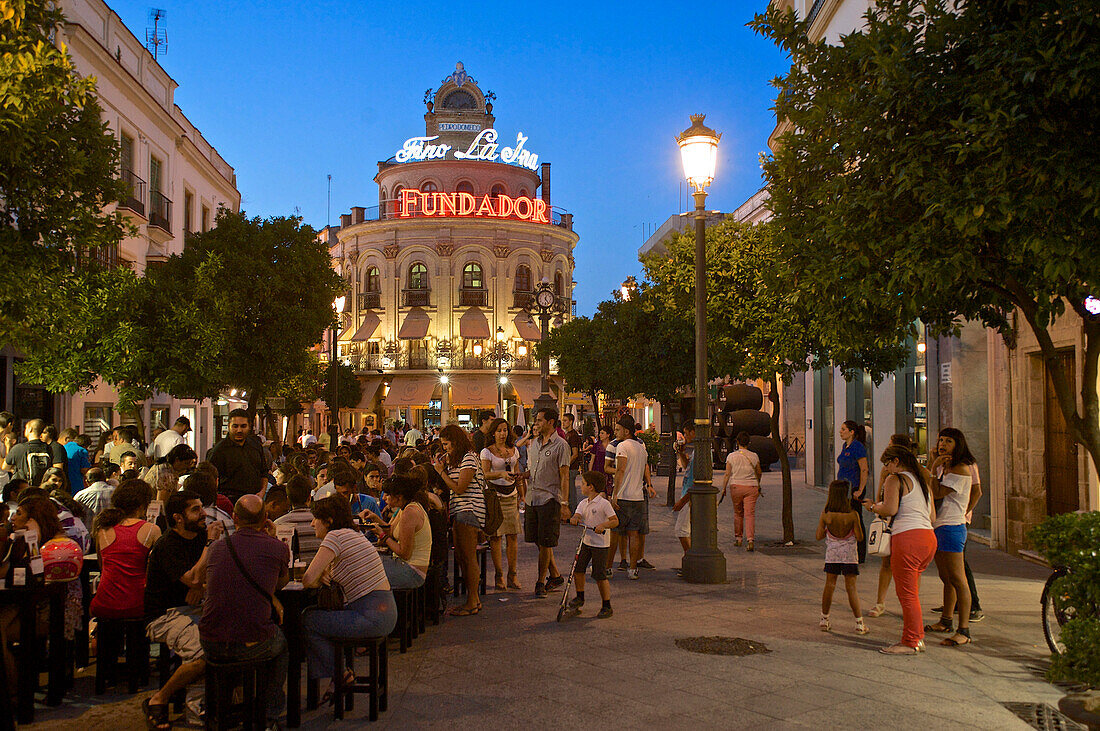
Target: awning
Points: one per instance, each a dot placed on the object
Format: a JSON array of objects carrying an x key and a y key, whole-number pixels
[
  {"x": 527, "y": 328},
  {"x": 366, "y": 330},
  {"x": 527, "y": 388},
  {"x": 415, "y": 326},
  {"x": 347, "y": 331},
  {"x": 411, "y": 391},
  {"x": 473, "y": 391},
  {"x": 473, "y": 325},
  {"x": 368, "y": 388}
]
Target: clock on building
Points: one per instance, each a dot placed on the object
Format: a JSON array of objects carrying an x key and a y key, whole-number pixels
[{"x": 545, "y": 299}]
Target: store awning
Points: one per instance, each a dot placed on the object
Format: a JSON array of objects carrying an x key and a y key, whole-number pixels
[
  {"x": 527, "y": 328},
  {"x": 411, "y": 391},
  {"x": 415, "y": 326},
  {"x": 527, "y": 388},
  {"x": 366, "y": 330},
  {"x": 368, "y": 389},
  {"x": 469, "y": 392},
  {"x": 473, "y": 325},
  {"x": 345, "y": 334}
]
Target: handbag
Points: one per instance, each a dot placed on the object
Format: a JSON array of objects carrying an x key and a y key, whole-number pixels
[
  {"x": 494, "y": 515},
  {"x": 276, "y": 607},
  {"x": 878, "y": 536},
  {"x": 330, "y": 596}
]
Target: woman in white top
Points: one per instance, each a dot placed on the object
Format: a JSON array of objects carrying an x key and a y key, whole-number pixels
[
  {"x": 907, "y": 499},
  {"x": 347, "y": 558},
  {"x": 952, "y": 482},
  {"x": 743, "y": 480},
  {"x": 500, "y": 463}
]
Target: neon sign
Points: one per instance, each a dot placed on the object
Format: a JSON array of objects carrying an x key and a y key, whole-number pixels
[
  {"x": 418, "y": 204},
  {"x": 484, "y": 147}
]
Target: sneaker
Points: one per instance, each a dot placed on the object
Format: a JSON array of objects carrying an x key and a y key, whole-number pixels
[
  {"x": 623, "y": 565},
  {"x": 877, "y": 611},
  {"x": 604, "y": 613},
  {"x": 554, "y": 582},
  {"x": 643, "y": 564},
  {"x": 609, "y": 573},
  {"x": 750, "y": 546},
  {"x": 824, "y": 625},
  {"x": 632, "y": 573},
  {"x": 540, "y": 590},
  {"x": 977, "y": 615},
  {"x": 575, "y": 603}
]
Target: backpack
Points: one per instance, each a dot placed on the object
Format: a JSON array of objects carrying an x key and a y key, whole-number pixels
[{"x": 36, "y": 463}]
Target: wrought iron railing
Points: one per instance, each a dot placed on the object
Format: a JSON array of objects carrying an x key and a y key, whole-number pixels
[
  {"x": 370, "y": 300},
  {"x": 160, "y": 211},
  {"x": 473, "y": 297},
  {"x": 135, "y": 192},
  {"x": 416, "y": 297}
]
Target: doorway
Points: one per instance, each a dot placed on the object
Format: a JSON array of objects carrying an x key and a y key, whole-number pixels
[{"x": 1060, "y": 447}]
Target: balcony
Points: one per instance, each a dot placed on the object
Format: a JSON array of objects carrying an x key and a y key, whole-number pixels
[
  {"x": 473, "y": 297},
  {"x": 160, "y": 212},
  {"x": 416, "y": 298},
  {"x": 370, "y": 300},
  {"x": 135, "y": 193},
  {"x": 523, "y": 300},
  {"x": 105, "y": 256}
]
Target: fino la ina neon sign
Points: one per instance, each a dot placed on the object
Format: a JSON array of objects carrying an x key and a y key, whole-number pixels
[
  {"x": 484, "y": 147},
  {"x": 420, "y": 204}
]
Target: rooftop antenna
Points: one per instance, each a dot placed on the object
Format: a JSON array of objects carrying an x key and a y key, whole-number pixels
[
  {"x": 156, "y": 38},
  {"x": 328, "y": 209}
]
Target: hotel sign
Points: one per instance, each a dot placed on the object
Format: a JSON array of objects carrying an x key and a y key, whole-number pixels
[
  {"x": 484, "y": 147},
  {"x": 418, "y": 204}
]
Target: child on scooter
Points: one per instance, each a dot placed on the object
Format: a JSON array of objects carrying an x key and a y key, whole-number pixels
[{"x": 596, "y": 513}]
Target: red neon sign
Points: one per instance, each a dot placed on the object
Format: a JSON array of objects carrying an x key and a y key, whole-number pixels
[{"x": 417, "y": 204}]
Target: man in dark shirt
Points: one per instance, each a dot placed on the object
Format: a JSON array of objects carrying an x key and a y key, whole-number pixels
[
  {"x": 575, "y": 441},
  {"x": 30, "y": 459},
  {"x": 481, "y": 434},
  {"x": 173, "y": 595},
  {"x": 237, "y": 622},
  {"x": 241, "y": 459}
]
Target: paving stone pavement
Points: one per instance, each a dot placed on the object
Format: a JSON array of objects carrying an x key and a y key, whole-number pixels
[{"x": 514, "y": 666}]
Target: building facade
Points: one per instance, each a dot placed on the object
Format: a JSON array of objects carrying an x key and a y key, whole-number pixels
[
  {"x": 441, "y": 273},
  {"x": 176, "y": 181}
]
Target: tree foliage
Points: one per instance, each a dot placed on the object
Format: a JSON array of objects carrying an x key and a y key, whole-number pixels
[{"x": 942, "y": 164}]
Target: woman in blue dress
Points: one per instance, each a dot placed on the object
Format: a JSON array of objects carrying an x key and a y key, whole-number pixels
[{"x": 852, "y": 466}]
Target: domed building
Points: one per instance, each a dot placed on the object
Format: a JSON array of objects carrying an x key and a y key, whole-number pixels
[{"x": 442, "y": 273}]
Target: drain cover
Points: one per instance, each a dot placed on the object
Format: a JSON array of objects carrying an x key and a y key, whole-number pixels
[
  {"x": 1043, "y": 717},
  {"x": 721, "y": 646}
]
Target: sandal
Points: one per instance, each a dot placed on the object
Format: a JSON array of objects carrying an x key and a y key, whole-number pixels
[
  {"x": 500, "y": 583},
  {"x": 899, "y": 649},
  {"x": 964, "y": 632},
  {"x": 463, "y": 611},
  {"x": 513, "y": 584},
  {"x": 877, "y": 611},
  {"x": 940, "y": 626},
  {"x": 156, "y": 715}
]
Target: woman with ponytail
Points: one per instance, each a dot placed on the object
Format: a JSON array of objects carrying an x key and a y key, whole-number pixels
[
  {"x": 123, "y": 539},
  {"x": 907, "y": 499},
  {"x": 852, "y": 466}
]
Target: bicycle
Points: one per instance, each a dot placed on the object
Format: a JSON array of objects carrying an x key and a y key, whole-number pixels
[{"x": 1056, "y": 610}]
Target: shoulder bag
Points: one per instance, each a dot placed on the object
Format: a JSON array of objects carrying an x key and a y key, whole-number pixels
[
  {"x": 276, "y": 607},
  {"x": 494, "y": 515}
]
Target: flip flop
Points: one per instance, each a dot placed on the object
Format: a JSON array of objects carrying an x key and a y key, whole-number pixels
[
  {"x": 952, "y": 642},
  {"x": 463, "y": 611},
  {"x": 156, "y": 715}
]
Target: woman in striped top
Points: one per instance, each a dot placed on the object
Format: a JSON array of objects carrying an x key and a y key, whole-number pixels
[
  {"x": 345, "y": 557},
  {"x": 458, "y": 467}
]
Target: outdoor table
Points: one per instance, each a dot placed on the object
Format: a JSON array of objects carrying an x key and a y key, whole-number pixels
[
  {"x": 295, "y": 598},
  {"x": 26, "y": 601}
]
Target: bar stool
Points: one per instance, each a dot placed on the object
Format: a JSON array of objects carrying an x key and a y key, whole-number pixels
[
  {"x": 111, "y": 635},
  {"x": 406, "y": 617},
  {"x": 221, "y": 679},
  {"x": 375, "y": 683},
  {"x": 459, "y": 585}
]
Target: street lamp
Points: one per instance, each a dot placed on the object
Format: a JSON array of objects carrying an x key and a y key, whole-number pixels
[
  {"x": 703, "y": 563},
  {"x": 498, "y": 353},
  {"x": 338, "y": 306}
]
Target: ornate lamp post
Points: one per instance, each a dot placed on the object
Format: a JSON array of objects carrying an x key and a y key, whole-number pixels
[
  {"x": 703, "y": 563},
  {"x": 498, "y": 353},
  {"x": 546, "y": 306},
  {"x": 338, "y": 309}
]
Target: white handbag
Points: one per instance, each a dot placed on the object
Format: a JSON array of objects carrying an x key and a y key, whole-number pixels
[{"x": 878, "y": 537}]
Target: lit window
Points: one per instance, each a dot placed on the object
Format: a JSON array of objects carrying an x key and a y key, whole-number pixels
[
  {"x": 471, "y": 277},
  {"x": 418, "y": 276},
  {"x": 523, "y": 279}
]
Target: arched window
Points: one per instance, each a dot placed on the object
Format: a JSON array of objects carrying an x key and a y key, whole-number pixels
[
  {"x": 371, "y": 282},
  {"x": 523, "y": 279},
  {"x": 523, "y": 193},
  {"x": 498, "y": 189},
  {"x": 465, "y": 187},
  {"x": 429, "y": 187},
  {"x": 418, "y": 276},
  {"x": 558, "y": 284},
  {"x": 471, "y": 277},
  {"x": 393, "y": 205}
]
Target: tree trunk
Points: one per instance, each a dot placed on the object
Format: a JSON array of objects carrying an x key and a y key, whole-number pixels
[
  {"x": 784, "y": 462},
  {"x": 138, "y": 412},
  {"x": 595, "y": 396},
  {"x": 269, "y": 423},
  {"x": 252, "y": 401}
]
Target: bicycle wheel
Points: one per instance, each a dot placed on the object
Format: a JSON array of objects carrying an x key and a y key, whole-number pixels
[{"x": 1056, "y": 612}]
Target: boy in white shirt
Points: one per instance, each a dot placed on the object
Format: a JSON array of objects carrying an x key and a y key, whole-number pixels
[{"x": 596, "y": 513}]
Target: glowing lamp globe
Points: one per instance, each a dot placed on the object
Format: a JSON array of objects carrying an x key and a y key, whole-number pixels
[{"x": 699, "y": 152}]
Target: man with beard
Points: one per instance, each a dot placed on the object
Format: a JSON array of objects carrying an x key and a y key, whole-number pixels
[
  {"x": 174, "y": 592},
  {"x": 242, "y": 460}
]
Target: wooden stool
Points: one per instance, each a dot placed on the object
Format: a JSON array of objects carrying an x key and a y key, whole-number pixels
[
  {"x": 110, "y": 637},
  {"x": 221, "y": 679},
  {"x": 404, "y": 630},
  {"x": 376, "y": 683},
  {"x": 460, "y": 586}
]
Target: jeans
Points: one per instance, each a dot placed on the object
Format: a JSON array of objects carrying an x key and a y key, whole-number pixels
[
  {"x": 373, "y": 615},
  {"x": 574, "y": 492},
  {"x": 744, "y": 510},
  {"x": 910, "y": 553},
  {"x": 274, "y": 650},
  {"x": 401, "y": 573}
]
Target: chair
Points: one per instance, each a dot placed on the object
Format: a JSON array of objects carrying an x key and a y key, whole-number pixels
[
  {"x": 221, "y": 679},
  {"x": 112, "y": 634},
  {"x": 376, "y": 683}
]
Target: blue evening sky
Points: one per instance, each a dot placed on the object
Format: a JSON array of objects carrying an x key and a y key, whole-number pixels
[{"x": 291, "y": 92}]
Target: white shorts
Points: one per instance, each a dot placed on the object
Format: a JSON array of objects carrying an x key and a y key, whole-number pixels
[{"x": 683, "y": 522}]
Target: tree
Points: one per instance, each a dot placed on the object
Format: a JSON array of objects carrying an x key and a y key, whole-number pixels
[
  {"x": 580, "y": 347},
  {"x": 58, "y": 168},
  {"x": 945, "y": 160},
  {"x": 757, "y": 325}
]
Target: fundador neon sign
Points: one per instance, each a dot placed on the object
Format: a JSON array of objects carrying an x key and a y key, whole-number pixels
[
  {"x": 419, "y": 204},
  {"x": 484, "y": 147}
]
